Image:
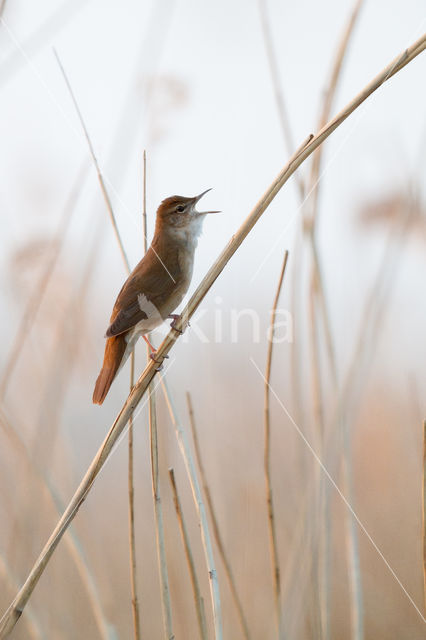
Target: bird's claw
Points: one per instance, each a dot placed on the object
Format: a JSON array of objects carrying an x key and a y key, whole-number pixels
[
  {"x": 159, "y": 362},
  {"x": 175, "y": 317}
]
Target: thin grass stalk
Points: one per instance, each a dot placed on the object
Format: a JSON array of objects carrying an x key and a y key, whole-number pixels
[
  {"x": 153, "y": 442},
  {"x": 327, "y": 104},
  {"x": 216, "y": 529},
  {"x": 201, "y": 511},
  {"x": 320, "y": 530},
  {"x": 132, "y": 543},
  {"x": 267, "y": 452},
  {"x": 278, "y": 92},
  {"x": 37, "y": 296},
  {"x": 15, "y": 609},
  {"x": 284, "y": 119},
  {"x": 33, "y": 628},
  {"x": 95, "y": 162},
  {"x": 131, "y": 503},
  {"x": 352, "y": 545},
  {"x": 159, "y": 526},
  {"x": 199, "y": 603}
]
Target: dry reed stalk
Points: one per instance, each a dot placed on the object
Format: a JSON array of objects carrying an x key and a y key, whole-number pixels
[
  {"x": 199, "y": 602},
  {"x": 71, "y": 541},
  {"x": 201, "y": 511},
  {"x": 95, "y": 162},
  {"x": 319, "y": 530},
  {"x": 14, "y": 611},
  {"x": 130, "y": 476},
  {"x": 153, "y": 442},
  {"x": 37, "y": 296},
  {"x": 278, "y": 92},
  {"x": 289, "y": 144},
  {"x": 213, "y": 517},
  {"x": 33, "y": 627},
  {"x": 267, "y": 451},
  {"x": 158, "y": 512},
  {"x": 131, "y": 503}
]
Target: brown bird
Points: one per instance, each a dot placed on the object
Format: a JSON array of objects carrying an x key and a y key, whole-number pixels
[{"x": 156, "y": 286}]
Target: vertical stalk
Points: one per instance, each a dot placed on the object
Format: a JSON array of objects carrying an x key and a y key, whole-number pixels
[
  {"x": 199, "y": 603},
  {"x": 132, "y": 542},
  {"x": 216, "y": 530},
  {"x": 201, "y": 511},
  {"x": 267, "y": 452},
  {"x": 158, "y": 513}
]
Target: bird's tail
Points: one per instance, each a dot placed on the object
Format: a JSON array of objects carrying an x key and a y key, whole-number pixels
[{"x": 114, "y": 351}]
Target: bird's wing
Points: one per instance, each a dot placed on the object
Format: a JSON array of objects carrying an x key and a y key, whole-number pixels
[
  {"x": 143, "y": 294},
  {"x": 126, "y": 319}
]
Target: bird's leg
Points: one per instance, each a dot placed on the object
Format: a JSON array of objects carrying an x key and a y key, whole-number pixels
[
  {"x": 154, "y": 353},
  {"x": 175, "y": 317}
]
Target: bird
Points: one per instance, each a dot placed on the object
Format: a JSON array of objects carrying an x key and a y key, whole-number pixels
[{"x": 155, "y": 287}]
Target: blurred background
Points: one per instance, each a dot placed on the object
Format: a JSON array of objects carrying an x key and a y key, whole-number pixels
[{"x": 219, "y": 95}]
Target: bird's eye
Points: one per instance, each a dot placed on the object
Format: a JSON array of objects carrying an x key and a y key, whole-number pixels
[{"x": 180, "y": 208}]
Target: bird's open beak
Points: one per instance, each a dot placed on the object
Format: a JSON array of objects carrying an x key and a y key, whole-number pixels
[{"x": 197, "y": 198}]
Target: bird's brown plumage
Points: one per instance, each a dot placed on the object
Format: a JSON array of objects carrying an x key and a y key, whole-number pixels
[
  {"x": 114, "y": 351},
  {"x": 155, "y": 287}
]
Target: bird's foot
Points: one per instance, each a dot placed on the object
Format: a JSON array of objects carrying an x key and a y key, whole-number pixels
[
  {"x": 175, "y": 317},
  {"x": 152, "y": 355}
]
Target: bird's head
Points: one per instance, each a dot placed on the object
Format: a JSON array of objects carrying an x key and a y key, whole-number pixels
[{"x": 178, "y": 211}]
